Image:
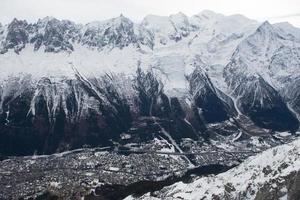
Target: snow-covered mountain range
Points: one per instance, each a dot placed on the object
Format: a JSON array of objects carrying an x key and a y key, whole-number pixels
[{"x": 64, "y": 85}]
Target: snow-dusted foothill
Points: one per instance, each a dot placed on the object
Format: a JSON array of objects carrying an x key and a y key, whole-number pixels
[{"x": 272, "y": 174}]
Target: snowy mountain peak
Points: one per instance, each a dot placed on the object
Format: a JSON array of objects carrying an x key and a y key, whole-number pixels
[
  {"x": 209, "y": 14},
  {"x": 179, "y": 15},
  {"x": 265, "y": 27},
  {"x": 16, "y": 36},
  {"x": 47, "y": 19},
  {"x": 272, "y": 32},
  {"x": 115, "y": 32},
  {"x": 180, "y": 20},
  {"x": 167, "y": 29},
  {"x": 16, "y": 21},
  {"x": 118, "y": 21},
  {"x": 17, "y": 24}
]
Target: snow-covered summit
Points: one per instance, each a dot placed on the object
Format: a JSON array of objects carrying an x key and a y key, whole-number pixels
[
  {"x": 166, "y": 28},
  {"x": 115, "y": 32}
]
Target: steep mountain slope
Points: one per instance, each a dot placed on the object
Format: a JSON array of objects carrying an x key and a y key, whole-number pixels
[
  {"x": 208, "y": 99},
  {"x": 254, "y": 75}
]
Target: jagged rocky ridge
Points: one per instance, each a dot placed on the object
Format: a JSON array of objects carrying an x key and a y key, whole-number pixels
[{"x": 66, "y": 85}]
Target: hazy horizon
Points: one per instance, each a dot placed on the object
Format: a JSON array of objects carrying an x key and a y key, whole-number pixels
[{"x": 86, "y": 11}]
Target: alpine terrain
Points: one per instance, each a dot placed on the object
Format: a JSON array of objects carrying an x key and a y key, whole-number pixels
[{"x": 160, "y": 109}]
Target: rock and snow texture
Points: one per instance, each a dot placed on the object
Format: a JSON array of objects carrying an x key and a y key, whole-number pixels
[
  {"x": 257, "y": 71},
  {"x": 272, "y": 174},
  {"x": 72, "y": 84}
]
